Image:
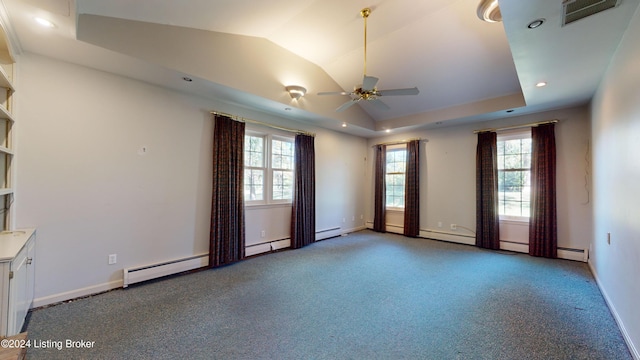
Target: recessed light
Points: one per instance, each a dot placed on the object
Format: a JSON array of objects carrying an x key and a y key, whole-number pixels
[
  {"x": 536, "y": 23},
  {"x": 287, "y": 109},
  {"x": 187, "y": 79},
  {"x": 45, "y": 22},
  {"x": 510, "y": 111},
  {"x": 388, "y": 130},
  {"x": 541, "y": 84},
  {"x": 344, "y": 124}
]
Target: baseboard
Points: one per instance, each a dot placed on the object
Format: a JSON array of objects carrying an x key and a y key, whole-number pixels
[
  {"x": 351, "y": 230},
  {"x": 627, "y": 339},
  {"x": 514, "y": 246},
  {"x": 78, "y": 293}
]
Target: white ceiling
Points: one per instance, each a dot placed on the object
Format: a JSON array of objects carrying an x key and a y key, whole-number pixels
[{"x": 246, "y": 51}]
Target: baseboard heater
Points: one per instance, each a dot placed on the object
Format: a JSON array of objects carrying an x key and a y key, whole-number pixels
[
  {"x": 573, "y": 254},
  {"x": 328, "y": 233},
  {"x": 563, "y": 253},
  {"x": 271, "y": 245},
  {"x": 154, "y": 271}
]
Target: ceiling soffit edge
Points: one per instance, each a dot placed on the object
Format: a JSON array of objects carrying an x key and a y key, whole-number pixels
[
  {"x": 182, "y": 49},
  {"x": 462, "y": 111}
]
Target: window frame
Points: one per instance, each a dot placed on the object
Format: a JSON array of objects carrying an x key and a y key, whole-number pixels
[
  {"x": 263, "y": 168},
  {"x": 502, "y": 137},
  {"x": 390, "y": 149},
  {"x": 272, "y": 169},
  {"x": 267, "y": 159}
]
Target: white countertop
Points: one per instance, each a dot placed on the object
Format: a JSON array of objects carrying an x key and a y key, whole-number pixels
[{"x": 11, "y": 242}]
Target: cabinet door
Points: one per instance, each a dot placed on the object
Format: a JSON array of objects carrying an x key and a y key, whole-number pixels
[
  {"x": 31, "y": 272},
  {"x": 18, "y": 304}
]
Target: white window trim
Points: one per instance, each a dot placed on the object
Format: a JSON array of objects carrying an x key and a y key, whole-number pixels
[
  {"x": 267, "y": 183},
  {"x": 513, "y": 219},
  {"x": 264, "y": 167},
  {"x": 512, "y": 135},
  {"x": 394, "y": 148},
  {"x": 270, "y": 169}
]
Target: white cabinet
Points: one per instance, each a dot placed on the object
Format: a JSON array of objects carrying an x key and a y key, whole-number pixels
[{"x": 17, "y": 254}]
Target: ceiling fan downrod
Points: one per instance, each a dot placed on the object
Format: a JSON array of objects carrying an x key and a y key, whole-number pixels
[{"x": 365, "y": 14}]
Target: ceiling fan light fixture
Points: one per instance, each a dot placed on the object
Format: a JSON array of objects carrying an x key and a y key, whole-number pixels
[
  {"x": 489, "y": 11},
  {"x": 296, "y": 91}
]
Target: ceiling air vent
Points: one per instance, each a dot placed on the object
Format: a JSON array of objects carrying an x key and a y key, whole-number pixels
[{"x": 574, "y": 10}]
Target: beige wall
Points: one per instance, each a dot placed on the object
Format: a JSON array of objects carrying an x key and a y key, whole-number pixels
[
  {"x": 85, "y": 184},
  {"x": 616, "y": 179},
  {"x": 447, "y": 177}
]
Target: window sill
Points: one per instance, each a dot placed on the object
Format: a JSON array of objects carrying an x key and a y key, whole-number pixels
[
  {"x": 515, "y": 221},
  {"x": 397, "y": 210},
  {"x": 266, "y": 206}
]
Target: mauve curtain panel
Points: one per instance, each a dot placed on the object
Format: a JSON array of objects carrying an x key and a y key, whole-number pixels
[
  {"x": 412, "y": 190},
  {"x": 227, "y": 236},
  {"x": 487, "y": 217},
  {"x": 380, "y": 192},
  {"x": 543, "y": 228},
  {"x": 303, "y": 213}
]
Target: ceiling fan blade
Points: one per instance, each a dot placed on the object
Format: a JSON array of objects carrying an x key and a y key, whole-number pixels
[
  {"x": 369, "y": 82},
  {"x": 396, "y": 92},
  {"x": 334, "y": 93},
  {"x": 346, "y": 105},
  {"x": 379, "y": 104}
]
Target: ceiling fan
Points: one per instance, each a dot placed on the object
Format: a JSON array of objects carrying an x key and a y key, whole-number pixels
[{"x": 367, "y": 90}]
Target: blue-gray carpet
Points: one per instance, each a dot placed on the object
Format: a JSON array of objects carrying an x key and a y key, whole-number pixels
[{"x": 363, "y": 296}]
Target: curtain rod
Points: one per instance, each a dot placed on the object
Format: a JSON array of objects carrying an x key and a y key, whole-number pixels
[
  {"x": 251, "y": 121},
  {"x": 518, "y": 126},
  {"x": 397, "y": 142}
]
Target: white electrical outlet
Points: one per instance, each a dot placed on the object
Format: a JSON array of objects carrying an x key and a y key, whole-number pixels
[
  {"x": 113, "y": 258},
  {"x": 263, "y": 233},
  {"x": 439, "y": 224},
  {"x": 454, "y": 227}
]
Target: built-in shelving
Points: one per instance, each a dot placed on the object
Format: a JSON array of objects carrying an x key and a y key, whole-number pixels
[
  {"x": 17, "y": 248},
  {"x": 5, "y": 114},
  {"x": 7, "y": 121},
  {"x": 4, "y": 80}
]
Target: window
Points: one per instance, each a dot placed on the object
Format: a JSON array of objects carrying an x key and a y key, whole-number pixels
[
  {"x": 268, "y": 169},
  {"x": 514, "y": 174},
  {"x": 254, "y": 168},
  {"x": 394, "y": 176},
  {"x": 282, "y": 168}
]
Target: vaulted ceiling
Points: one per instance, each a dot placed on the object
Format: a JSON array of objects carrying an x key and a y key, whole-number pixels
[{"x": 246, "y": 51}]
